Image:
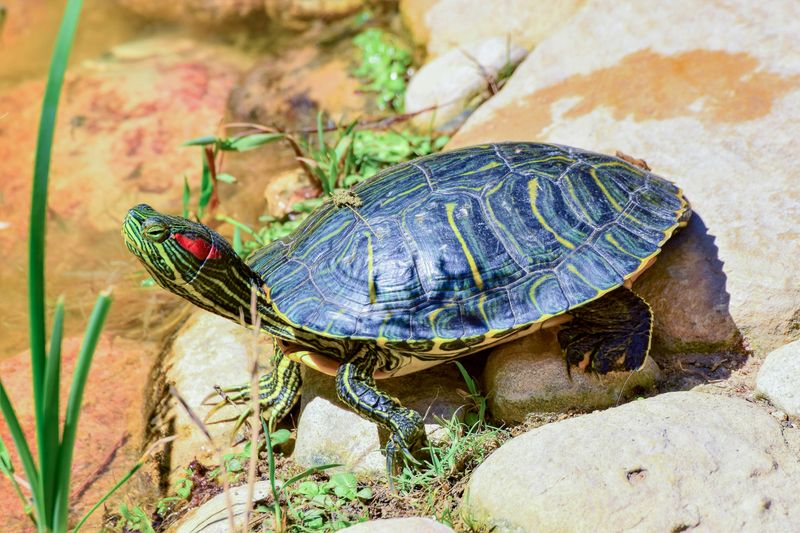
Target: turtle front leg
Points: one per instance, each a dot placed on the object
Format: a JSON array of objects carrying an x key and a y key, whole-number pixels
[
  {"x": 610, "y": 333},
  {"x": 278, "y": 390},
  {"x": 355, "y": 386}
]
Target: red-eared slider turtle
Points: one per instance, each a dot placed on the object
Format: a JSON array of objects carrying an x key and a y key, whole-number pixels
[{"x": 434, "y": 259}]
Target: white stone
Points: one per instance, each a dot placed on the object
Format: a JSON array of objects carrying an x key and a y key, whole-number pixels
[
  {"x": 779, "y": 378},
  {"x": 675, "y": 461},
  {"x": 453, "y": 81},
  {"x": 330, "y": 432},
  {"x": 208, "y": 351},
  {"x": 446, "y": 24},
  {"x": 213, "y": 516}
]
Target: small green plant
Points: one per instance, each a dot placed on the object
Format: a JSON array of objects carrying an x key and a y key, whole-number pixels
[
  {"x": 384, "y": 67},
  {"x": 319, "y": 505},
  {"x": 134, "y": 519},
  {"x": 479, "y": 400}
]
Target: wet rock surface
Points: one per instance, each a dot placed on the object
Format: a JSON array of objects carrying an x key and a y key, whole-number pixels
[
  {"x": 779, "y": 378},
  {"x": 677, "y": 461},
  {"x": 330, "y": 432},
  {"x": 701, "y": 110},
  {"x": 110, "y": 428},
  {"x": 289, "y": 90},
  {"x": 454, "y": 83},
  {"x": 530, "y": 375}
]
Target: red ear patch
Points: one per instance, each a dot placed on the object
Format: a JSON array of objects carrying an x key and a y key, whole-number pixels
[{"x": 199, "y": 247}]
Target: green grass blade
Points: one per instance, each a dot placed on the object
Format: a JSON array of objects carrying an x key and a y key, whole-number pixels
[
  {"x": 49, "y": 442},
  {"x": 23, "y": 450},
  {"x": 108, "y": 494},
  {"x": 187, "y": 194},
  {"x": 41, "y": 171},
  {"x": 206, "y": 187},
  {"x": 7, "y": 468},
  {"x": 79, "y": 378}
]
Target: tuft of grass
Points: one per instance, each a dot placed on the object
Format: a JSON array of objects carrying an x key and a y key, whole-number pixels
[{"x": 384, "y": 67}]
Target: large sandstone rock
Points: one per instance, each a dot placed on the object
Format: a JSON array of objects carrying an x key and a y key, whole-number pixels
[
  {"x": 330, "y": 432},
  {"x": 399, "y": 525},
  {"x": 779, "y": 378},
  {"x": 716, "y": 107},
  {"x": 446, "y": 24},
  {"x": 530, "y": 375},
  {"x": 677, "y": 461},
  {"x": 457, "y": 81},
  {"x": 110, "y": 428},
  {"x": 207, "y": 351}
]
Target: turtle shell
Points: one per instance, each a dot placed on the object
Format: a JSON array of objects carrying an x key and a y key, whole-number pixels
[{"x": 468, "y": 243}]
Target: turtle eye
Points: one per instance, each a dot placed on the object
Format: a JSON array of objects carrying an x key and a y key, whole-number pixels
[{"x": 155, "y": 231}]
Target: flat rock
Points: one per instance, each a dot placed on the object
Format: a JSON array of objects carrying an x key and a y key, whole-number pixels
[
  {"x": 329, "y": 432},
  {"x": 110, "y": 428},
  {"x": 717, "y": 112},
  {"x": 530, "y": 375},
  {"x": 207, "y": 351},
  {"x": 779, "y": 378},
  {"x": 399, "y": 525},
  {"x": 678, "y": 461},
  {"x": 457, "y": 81},
  {"x": 446, "y": 24}
]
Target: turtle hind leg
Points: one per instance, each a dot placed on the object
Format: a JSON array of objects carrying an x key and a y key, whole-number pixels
[
  {"x": 355, "y": 386},
  {"x": 278, "y": 391},
  {"x": 607, "y": 334}
]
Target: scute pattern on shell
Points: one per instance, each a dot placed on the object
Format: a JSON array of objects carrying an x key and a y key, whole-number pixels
[{"x": 468, "y": 243}]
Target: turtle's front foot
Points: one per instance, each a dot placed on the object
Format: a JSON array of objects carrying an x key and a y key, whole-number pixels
[
  {"x": 355, "y": 386},
  {"x": 277, "y": 392}
]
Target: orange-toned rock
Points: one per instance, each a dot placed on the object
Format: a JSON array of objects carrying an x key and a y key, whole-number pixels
[
  {"x": 709, "y": 95},
  {"x": 289, "y": 90},
  {"x": 118, "y": 142},
  {"x": 110, "y": 428},
  {"x": 28, "y": 33}
]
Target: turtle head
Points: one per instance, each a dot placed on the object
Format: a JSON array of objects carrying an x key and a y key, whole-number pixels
[{"x": 190, "y": 260}]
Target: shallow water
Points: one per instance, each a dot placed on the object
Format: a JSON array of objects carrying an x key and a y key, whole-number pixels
[{"x": 80, "y": 259}]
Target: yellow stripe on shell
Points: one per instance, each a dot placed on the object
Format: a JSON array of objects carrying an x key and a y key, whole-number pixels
[
  {"x": 532, "y": 188},
  {"x": 476, "y": 275}
]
